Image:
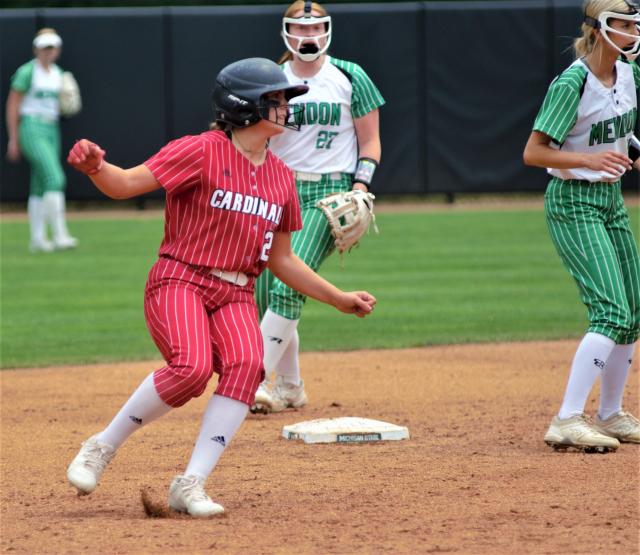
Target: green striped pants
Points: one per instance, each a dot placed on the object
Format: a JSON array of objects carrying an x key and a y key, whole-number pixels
[
  {"x": 40, "y": 145},
  {"x": 312, "y": 244},
  {"x": 590, "y": 228}
]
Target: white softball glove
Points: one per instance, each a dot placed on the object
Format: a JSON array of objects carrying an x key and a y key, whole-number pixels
[
  {"x": 349, "y": 214},
  {"x": 70, "y": 99}
]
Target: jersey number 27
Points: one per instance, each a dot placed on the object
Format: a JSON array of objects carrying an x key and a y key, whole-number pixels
[{"x": 325, "y": 138}]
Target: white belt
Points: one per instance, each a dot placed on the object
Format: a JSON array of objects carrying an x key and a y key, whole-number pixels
[
  {"x": 237, "y": 278},
  {"x": 42, "y": 118},
  {"x": 308, "y": 176}
]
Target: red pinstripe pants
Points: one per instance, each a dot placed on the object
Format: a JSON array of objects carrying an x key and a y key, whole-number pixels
[{"x": 202, "y": 324}]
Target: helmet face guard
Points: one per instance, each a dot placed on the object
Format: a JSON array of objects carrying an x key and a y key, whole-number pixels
[
  {"x": 240, "y": 94},
  {"x": 308, "y": 49},
  {"x": 602, "y": 23},
  {"x": 293, "y": 119},
  {"x": 243, "y": 112}
]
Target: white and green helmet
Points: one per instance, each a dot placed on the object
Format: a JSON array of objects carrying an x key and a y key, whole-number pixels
[
  {"x": 307, "y": 49},
  {"x": 632, "y": 51}
]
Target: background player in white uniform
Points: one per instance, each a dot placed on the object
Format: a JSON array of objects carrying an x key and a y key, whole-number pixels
[
  {"x": 33, "y": 110},
  {"x": 581, "y": 135},
  {"x": 337, "y": 149}
]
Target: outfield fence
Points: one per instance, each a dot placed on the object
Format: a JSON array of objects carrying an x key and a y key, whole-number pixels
[{"x": 462, "y": 80}]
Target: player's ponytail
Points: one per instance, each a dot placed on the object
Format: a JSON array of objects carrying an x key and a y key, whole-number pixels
[
  {"x": 285, "y": 58},
  {"x": 584, "y": 45}
]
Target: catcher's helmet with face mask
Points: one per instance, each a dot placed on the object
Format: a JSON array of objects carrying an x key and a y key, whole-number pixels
[
  {"x": 307, "y": 49},
  {"x": 241, "y": 89},
  {"x": 632, "y": 13}
]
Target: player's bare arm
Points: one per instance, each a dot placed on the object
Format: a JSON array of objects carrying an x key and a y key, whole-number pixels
[
  {"x": 13, "y": 118},
  {"x": 368, "y": 133},
  {"x": 538, "y": 152},
  {"x": 634, "y": 151},
  {"x": 112, "y": 180},
  {"x": 287, "y": 267}
]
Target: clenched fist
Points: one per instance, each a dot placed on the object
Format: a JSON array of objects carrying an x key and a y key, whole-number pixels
[{"x": 86, "y": 157}]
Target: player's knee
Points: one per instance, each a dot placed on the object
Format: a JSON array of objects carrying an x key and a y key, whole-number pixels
[
  {"x": 240, "y": 380},
  {"x": 634, "y": 328},
  {"x": 255, "y": 371},
  {"x": 287, "y": 305},
  {"x": 251, "y": 369},
  {"x": 184, "y": 382},
  {"x": 630, "y": 323},
  {"x": 55, "y": 181}
]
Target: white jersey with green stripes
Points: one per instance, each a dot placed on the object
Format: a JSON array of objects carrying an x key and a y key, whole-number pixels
[
  {"x": 327, "y": 142},
  {"x": 41, "y": 89},
  {"x": 580, "y": 114}
]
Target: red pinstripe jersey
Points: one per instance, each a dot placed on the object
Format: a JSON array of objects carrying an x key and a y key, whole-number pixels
[{"x": 221, "y": 210}]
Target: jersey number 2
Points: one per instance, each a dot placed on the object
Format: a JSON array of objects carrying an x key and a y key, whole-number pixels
[{"x": 268, "y": 240}]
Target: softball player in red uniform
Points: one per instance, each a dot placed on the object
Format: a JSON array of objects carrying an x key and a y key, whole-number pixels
[
  {"x": 337, "y": 149},
  {"x": 230, "y": 208},
  {"x": 581, "y": 135}
]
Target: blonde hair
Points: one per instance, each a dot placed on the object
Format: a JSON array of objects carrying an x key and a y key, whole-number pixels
[
  {"x": 585, "y": 44},
  {"x": 46, "y": 31},
  {"x": 292, "y": 9}
]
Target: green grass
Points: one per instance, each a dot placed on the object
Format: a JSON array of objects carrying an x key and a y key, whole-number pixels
[{"x": 440, "y": 277}]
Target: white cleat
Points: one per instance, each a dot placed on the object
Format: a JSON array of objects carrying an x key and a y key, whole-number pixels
[
  {"x": 577, "y": 432},
  {"x": 282, "y": 396},
  {"x": 42, "y": 245},
  {"x": 64, "y": 243},
  {"x": 263, "y": 398},
  {"x": 85, "y": 470},
  {"x": 622, "y": 425},
  {"x": 187, "y": 495}
]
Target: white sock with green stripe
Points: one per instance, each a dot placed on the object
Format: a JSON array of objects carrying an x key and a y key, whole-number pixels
[
  {"x": 614, "y": 376},
  {"x": 276, "y": 335},
  {"x": 588, "y": 362}
]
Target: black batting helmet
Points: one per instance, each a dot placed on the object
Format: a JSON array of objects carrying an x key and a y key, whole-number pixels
[{"x": 239, "y": 95}]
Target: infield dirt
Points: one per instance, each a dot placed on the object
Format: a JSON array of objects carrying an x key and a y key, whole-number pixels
[{"x": 475, "y": 477}]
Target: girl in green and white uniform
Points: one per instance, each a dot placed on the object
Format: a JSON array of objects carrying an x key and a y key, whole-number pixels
[
  {"x": 582, "y": 135},
  {"x": 33, "y": 111},
  {"x": 337, "y": 149}
]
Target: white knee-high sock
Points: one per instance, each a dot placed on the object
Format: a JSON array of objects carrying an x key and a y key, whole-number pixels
[
  {"x": 614, "y": 376},
  {"x": 37, "y": 227},
  {"x": 289, "y": 365},
  {"x": 276, "y": 335},
  {"x": 222, "y": 419},
  {"x": 588, "y": 362},
  {"x": 54, "y": 203},
  {"x": 143, "y": 407}
]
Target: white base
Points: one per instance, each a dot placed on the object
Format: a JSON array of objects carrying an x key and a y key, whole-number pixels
[{"x": 347, "y": 429}]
